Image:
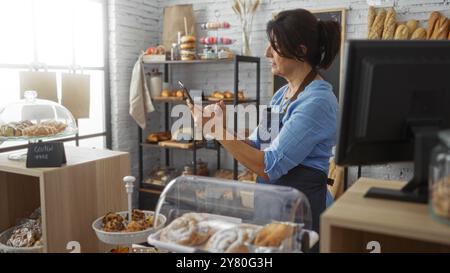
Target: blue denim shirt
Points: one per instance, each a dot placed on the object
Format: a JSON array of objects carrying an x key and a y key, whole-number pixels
[{"x": 308, "y": 133}]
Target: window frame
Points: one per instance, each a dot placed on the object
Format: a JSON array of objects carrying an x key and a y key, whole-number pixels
[{"x": 107, "y": 92}]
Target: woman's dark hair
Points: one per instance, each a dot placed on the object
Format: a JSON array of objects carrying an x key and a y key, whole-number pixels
[{"x": 292, "y": 29}]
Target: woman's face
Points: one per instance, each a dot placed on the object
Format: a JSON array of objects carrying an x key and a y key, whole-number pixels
[{"x": 281, "y": 66}]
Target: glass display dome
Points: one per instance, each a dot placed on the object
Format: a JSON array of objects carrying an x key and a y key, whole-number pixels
[
  {"x": 207, "y": 214},
  {"x": 35, "y": 119}
]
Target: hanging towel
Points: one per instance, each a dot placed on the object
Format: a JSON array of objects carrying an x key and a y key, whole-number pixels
[{"x": 140, "y": 101}]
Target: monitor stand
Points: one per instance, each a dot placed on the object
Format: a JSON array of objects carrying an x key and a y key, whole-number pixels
[{"x": 415, "y": 190}]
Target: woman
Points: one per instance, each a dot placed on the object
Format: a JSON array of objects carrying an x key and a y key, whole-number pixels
[{"x": 307, "y": 109}]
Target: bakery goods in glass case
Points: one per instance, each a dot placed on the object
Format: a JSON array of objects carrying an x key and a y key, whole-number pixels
[
  {"x": 232, "y": 240},
  {"x": 206, "y": 214},
  {"x": 190, "y": 229},
  {"x": 33, "y": 118}
]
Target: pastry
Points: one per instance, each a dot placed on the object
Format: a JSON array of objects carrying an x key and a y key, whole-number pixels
[
  {"x": 187, "y": 55},
  {"x": 441, "y": 29},
  {"x": 156, "y": 137},
  {"x": 389, "y": 25},
  {"x": 180, "y": 94},
  {"x": 378, "y": 25},
  {"x": 401, "y": 33},
  {"x": 187, "y": 46},
  {"x": 247, "y": 176},
  {"x": 228, "y": 95},
  {"x": 241, "y": 95},
  {"x": 14, "y": 129},
  {"x": 26, "y": 235},
  {"x": 412, "y": 26},
  {"x": 419, "y": 34},
  {"x": 187, "y": 39},
  {"x": 165, "y": 93},
  {"x": 273, "y": 234},
  {"x": 113, "y": 222},
  {"x": 39, "y": 131},
  {"x": 59, "y": 126},
  {"x": 217, "y": 95},
  {"x": 370, "y": 18},
  {"x": 232, "y": 240},
  {"x": 432, "y": 20},
  {"x": 190, "y": 229}
]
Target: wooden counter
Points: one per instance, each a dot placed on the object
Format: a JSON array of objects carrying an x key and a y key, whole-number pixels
[
  {"x": 70, "y": 197},
  {"x": 353, "y": 221}
]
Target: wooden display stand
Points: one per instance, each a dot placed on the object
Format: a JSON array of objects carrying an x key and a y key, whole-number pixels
[
  {"x": 353, "y": 221},
  {"x": 70, "y": 197}
]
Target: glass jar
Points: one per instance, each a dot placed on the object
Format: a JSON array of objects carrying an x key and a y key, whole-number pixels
[{"x": 439, "y": 180}]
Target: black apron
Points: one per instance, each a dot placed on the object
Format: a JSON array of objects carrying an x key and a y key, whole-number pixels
[{"x": 311, "y": 182}]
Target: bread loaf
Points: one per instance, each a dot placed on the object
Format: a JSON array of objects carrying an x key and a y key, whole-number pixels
[
  {"x": 419, "y": 34},
  {"x": 401, "y": 33},
  {"x": 440, "y": 31},
  {"x": 432, "y": 20},
  {"x": 376, "y": 30},
  {"x": 389, "y": 26},
  {"x": 412, "y": 26},
  {"x": 370, "y": 18}
]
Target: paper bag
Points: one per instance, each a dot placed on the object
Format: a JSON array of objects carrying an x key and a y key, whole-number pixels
[
  {"x": 174, "y": 22},
  {"x": 44, "y": 83},
  {"x": 75, "y": 94}
]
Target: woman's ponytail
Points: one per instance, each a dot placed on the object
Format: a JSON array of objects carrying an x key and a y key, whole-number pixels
[{"x": 329, "y": 42}]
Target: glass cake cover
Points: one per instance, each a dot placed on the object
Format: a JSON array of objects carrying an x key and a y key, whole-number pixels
[
  {"x": 207, "y": 214},
  {"x": 33, "y": 118}
]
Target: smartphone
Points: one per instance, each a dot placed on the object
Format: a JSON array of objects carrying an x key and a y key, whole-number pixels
[{"x": 191, "y": 101}]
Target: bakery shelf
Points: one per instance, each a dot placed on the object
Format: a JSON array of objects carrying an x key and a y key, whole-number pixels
[
  {"x": 167, "y": 102},
  {"x": 191, "y": 62},
  {"x": 176, "y": 100},
  {"x": 182, "y": 146}
]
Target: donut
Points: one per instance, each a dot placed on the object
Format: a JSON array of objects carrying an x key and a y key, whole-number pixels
[
  {"x": 191, "y": 229},
  {"x": 231, "y": 240},
  {"x": 187, "y": 39},
  {"x": 187, "y": 46}
]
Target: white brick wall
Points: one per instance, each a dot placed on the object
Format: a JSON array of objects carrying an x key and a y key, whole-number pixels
[{"x": 135, "y": 24}]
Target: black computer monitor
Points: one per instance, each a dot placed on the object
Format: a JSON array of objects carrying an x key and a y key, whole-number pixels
[{"x": 396, "y": 97}]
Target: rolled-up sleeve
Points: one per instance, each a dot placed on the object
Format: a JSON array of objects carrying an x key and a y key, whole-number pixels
[{"x": 306, "y": 127}]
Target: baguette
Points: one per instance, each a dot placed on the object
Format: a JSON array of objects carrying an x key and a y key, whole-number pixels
[
  {"x": 370, "y": 18},
  {"x": 412, "y": 26},
  {"x": 389, "y": 25},
  {"x": 440, "y": 29},
  {"x": 434, "y": 17},
  {"x": 378, "y": 25},
  {"x": 401, "y": 33},
  {"x": 419, "y": 34}
]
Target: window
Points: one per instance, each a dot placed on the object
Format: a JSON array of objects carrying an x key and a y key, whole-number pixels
[{"x": 60, "y": 34}]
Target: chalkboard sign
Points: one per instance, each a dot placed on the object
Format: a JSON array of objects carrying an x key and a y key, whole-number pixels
[
  {"x": 46, "y": 155},
  {"x": 334, "y": 73}
]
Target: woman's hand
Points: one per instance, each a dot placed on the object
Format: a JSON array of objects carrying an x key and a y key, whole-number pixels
[{"x": 213, "y": 114}]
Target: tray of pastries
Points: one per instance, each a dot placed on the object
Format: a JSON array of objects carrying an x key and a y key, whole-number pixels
[
  {"x": 114, "y": 227},
  {"x": 27, "y": 129},
  {"x": 25, "y": 237},
  {"x": 203, "y": 232},
  {"x": 226, "y": 96}
]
